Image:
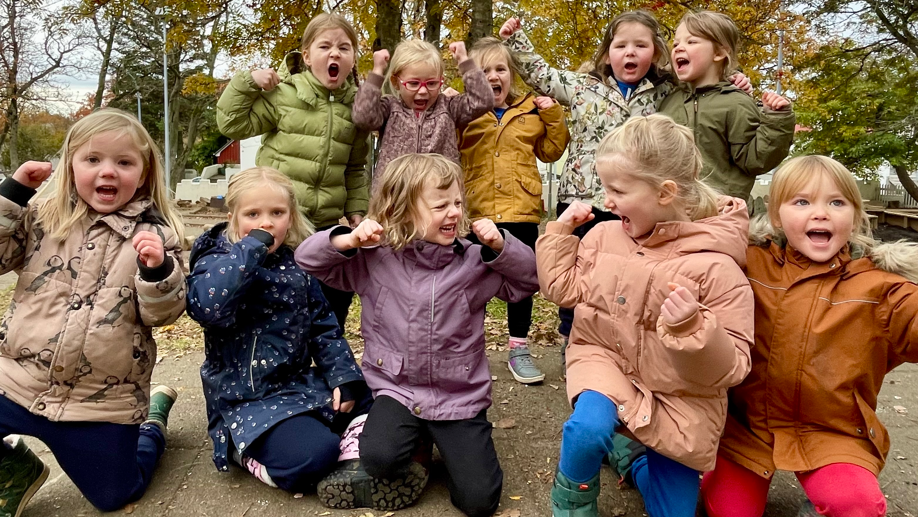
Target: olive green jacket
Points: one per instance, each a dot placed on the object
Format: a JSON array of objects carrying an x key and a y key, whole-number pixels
[
  {"x": 737, "y": 139},
  {"x": 308, "y": 135}
]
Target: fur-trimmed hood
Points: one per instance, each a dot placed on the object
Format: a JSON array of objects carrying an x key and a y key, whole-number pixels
[{"x": 899, "y": 257}]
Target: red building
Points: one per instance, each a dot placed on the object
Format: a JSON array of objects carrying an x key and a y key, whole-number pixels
[{"x": 229, "y": 153}]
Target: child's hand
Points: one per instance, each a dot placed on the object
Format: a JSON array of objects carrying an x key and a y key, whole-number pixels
[
  {"x": 488, "y": 234},
  {"x": 266, "y": 79},
  {"x": 509, "y": 27},
  {"x": 367, "y": 233},
  {"x": 32, "y": 174},
  {"x": 337, "y": 405},
  {"x": 679, "y": 306},
  {"x": 543, "y": 103},
  {"x": 354, "y": 220},
  {"x": 449, "y": 92},
  {"x": 742, "y": 82},
  {"x": 774, "y": 102},
  {"x": 380, "y": 61},
  {"x": 149, "y": 246},
  {"x": 577, "y": 214},
  {"x": 458, "y": 50}
]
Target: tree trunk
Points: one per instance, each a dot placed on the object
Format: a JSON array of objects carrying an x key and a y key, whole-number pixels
[
  {"x": 388, "y": 25},
  {"x": 482, "y": 21},
  {"x": 907, "y": 182},
  {"x": 103, "y": 70},
  {"x": 434, "y": 19},
  {"x": 14, "y": 135}
]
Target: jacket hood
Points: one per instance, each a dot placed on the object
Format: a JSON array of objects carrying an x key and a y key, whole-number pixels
[
  {"x": 721, "y": 87},
  {"x": 293, "y": 71},
  {"x": 724, "y": 233},
  {"x": 899, "y": 257}
]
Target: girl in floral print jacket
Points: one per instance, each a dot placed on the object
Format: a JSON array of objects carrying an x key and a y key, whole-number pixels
[{"x": 265, "y": 323}]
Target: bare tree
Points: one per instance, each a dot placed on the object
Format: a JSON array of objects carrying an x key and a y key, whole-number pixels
[
  {"x": 388, "y": 24},
  {"x": 482, "y": 21}
]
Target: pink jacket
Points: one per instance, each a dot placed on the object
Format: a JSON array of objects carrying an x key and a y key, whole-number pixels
[{"x": 669, "y": 381}]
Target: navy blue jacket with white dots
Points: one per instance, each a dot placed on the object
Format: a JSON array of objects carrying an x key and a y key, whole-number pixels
[{"x": 265, "y": 321}]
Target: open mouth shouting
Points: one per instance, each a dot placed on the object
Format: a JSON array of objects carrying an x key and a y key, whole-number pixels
[
  {"x": 107, "y": 193},
  {"x": 819, "y": 237},
  {"x": 333, "y": 71},
  {"x": 448, "y": 231},
  {"x": 682, "y": 64}
]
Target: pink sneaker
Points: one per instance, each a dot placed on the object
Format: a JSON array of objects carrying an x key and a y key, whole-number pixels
[
  {"x": 256, "y": 469},
  {"x": 350, "y": 448}
]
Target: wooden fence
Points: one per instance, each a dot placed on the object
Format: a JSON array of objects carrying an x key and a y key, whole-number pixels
[{"x": 893, "y": 192}]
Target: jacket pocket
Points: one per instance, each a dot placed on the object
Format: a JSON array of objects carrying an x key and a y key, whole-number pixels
[
  {"x": 528, "y": 200},
  {"x": 459, "y": 374},
  {"x": 873, "y": 429},
  {"x": 381, "y": 362}
]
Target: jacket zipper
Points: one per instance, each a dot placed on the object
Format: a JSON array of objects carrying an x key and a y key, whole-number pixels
[
  {"x": 433, "y": 286},
  {"x": 331, "y": 117},
  {"x": 417, "y": 145},
  {"x": 252, "y": 363}
]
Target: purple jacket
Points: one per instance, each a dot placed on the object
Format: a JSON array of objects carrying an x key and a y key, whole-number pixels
[
  {"x": 434, "y": 130},
  {"x": 422, "y": 315}
]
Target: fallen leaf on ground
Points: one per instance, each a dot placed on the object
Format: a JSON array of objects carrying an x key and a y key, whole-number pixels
[
  {"x": 900, "y": 409},
  {"x": 505, "y": 423},
  {"x": 130, "y": 508},
  {"x": 515, "y": 497}
]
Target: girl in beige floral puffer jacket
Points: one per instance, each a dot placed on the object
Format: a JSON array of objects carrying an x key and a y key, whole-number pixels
[{"x": 99, "y": 266}]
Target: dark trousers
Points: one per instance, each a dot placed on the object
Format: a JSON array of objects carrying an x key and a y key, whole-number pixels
[
  {"x": 519, "y": 314},
  {"x": 339, "y": 301},
  {"x": 111, "y": 464},
  {"x": 566, "y": 315},
  {"x": 299, "y": 451},
  {"x": 392, "y": 432}
]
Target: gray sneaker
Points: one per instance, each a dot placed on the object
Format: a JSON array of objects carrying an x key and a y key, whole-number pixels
[{"x": 522, "y": 368}]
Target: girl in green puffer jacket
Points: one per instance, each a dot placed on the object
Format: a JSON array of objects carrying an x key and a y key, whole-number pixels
[{"x": 303, "y": 111}]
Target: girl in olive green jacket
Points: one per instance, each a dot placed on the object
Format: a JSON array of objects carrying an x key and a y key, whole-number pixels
[{"x": 304, "y": 112}]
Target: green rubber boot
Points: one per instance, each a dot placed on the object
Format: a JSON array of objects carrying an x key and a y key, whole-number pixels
[
  {"x": 570, "y": 499},
  {"x": 161, "y": 400},
  {"x": 21, "y": 475},
  {"x": 624, "y": 452}
]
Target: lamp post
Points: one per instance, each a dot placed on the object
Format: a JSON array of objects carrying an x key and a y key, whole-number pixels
[
  {"x": 780, "y": 60},
  {"x": 137, "y": 94}
]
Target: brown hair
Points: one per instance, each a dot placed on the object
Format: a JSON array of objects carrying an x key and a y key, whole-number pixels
[
  {"x": 256, "y": 177},
  {"x": 719, "y": 29},
  {"x": 66, "y": 208},
  {"x": 399, "y": 189},
  {"x": 660, "y": 48},
  {"x": 323, "y": 22},
  {"x": 662, "y": 150},
  {"x": 796, "y": 173},
  {"x": 489, "y": 50}
]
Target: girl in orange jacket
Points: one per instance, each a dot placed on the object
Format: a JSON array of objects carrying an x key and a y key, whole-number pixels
[
  {"x": 834, "y": 313},
  {"x": 502, "y": 181}
]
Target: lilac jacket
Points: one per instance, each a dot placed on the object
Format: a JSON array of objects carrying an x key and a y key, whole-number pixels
[
  {"x": 432, "y": 130},
  {"x": 422, "y": 315}
]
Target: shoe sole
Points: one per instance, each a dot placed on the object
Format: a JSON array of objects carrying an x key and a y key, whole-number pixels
[
  {"x": 525, "y": 380},
  {"x": 344, "y": 491},
  {"x": 33, "y": 488}
]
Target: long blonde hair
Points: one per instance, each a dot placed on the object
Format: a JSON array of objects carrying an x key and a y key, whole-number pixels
[
  {"x": 398, "y": 193},
  {"x": 411, "y": 52},
  {"x": 719, "y": 29},
  {"x": 258, "y": 177},
  {"x": 794, "y": 174},
  {"x": 66, "y": 208},
  {"x": 663, "y": 150}
]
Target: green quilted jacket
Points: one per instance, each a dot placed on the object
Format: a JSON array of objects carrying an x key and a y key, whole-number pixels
[{"x": 307, "y": 134}]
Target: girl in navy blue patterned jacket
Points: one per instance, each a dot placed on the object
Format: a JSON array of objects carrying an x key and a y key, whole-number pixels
[{"x": 265, "y": 321}]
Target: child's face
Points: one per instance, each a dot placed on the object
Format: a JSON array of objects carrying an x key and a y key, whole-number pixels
[
  {"x": 424, "y": 79},
  {"x": 500, "y": 77},
  {"x": 631, "y": 52},
  {"x": 265, "y": 208},
  {"x": 696, "y": 60},
  {"x": 441, "y": 209},
  {"x": 631, "y": 198},
  {"x": 330, "y": 57},
  {"x": 818, "y": 220},
  {"x": 107, "y": 171}
]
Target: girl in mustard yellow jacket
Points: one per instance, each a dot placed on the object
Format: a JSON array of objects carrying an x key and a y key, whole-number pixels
[
  {"x": 502, "y": 181},
  {"x": 834, "y": 313}
]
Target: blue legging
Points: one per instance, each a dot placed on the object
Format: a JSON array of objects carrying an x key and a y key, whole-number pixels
[
  {"x": 669, "y": 488},
  {"x": 111, "y": 464}
]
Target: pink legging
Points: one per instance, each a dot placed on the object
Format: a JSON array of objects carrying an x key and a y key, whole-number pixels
[{"x": 836, "y": 490}]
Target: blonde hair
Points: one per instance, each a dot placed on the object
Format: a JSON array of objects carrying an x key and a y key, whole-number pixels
[
  {"x": 325, "y": 22},
  {"x": 719, "y": 29},
  {"x": 66, "y": 208},
  {"x": 792, "y": 176},
  {"x": 662, "y": 150},
  {"x": 258, "y": 177},
  {"x": 489, "y": 50},
  {"x": 411, "y": 52},
  {"x": 660, "y": 48},
  {"x": 398, "y": 193}
]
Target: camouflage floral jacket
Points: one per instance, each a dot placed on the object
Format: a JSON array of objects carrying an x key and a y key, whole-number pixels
[
  {"x": 596, "y": 109},
  {"x": 76, "y": 342}
]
